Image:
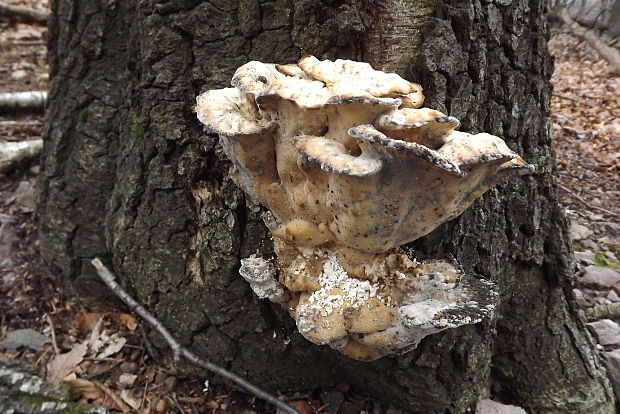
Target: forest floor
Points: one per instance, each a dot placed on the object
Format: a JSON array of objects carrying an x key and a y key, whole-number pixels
[{"x": 40, "y": 326}]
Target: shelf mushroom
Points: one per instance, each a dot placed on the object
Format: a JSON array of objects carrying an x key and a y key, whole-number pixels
[{"x": 351, "y": 168}]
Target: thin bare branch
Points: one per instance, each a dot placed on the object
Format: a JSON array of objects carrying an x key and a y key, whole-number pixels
[
  {"x": 13, "y": 154},
  {"x": 23, "y": 14},
  {"x": 23, "y": 101},
  {"x": 54, "y": 343},
  {"x": 584, "y": 202},
  {"x": 177, "y": 350},
  {"x": 20, "y": 123},
  {"x": 120, "y": 404}
]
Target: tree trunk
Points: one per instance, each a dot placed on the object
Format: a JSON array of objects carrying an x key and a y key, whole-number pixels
[
  {"x": 614, "y": 19},
  {"x": 129, "y": 175}
]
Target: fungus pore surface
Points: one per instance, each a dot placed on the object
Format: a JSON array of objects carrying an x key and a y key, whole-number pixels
[{"x": 351, "y": 168}]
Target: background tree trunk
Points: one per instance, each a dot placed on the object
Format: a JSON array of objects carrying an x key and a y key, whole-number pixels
[
  {"x": 614, "y": 19},
  {"x": 129, "y": 175}
]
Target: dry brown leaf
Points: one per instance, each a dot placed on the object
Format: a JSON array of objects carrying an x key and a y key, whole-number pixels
[
  {"x": 212, "y": 405},
  {"x": 161, "y": 406},
  {"x": 86, "y": 321},
  {"x": 128, "y": 320},
  {"x": 64, "y": 364},
  {"x": 586, "y": 107},
  {"x": 342, "y": 387},
  {"x": 302, "y": 406},
  {"x": 130, "y": 399},
  {"x": 98, "y": 368},
  {"x": 87, "y": 388}
]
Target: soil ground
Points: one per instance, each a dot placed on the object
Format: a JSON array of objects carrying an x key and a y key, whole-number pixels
[{"x": 586, "y": 119}]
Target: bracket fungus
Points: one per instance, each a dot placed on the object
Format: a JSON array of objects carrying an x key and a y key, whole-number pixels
[{"x": 351, "y": 168}]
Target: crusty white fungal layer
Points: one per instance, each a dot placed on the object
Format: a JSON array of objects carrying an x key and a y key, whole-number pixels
[{"x": 261, "y": 275}]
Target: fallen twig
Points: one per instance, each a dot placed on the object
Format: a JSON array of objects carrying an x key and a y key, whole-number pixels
[
  {"x": 177, "y": 350},
  {"x": 120, "y": 404},
  {"x": 14, "y": 153},
  {"x": 146, "y": 386},
  {"x": 54, "y": 343},
  {"x": 28, "y": 43},
  {"x": 589, "y": 205},
  {"x": 173, "y": 398},
  {"x": 22, "y": 14},
  {"x": 20, "y": 123},
  {"x": 23, "y": 101},
  {"x": 611, "y": 55}
]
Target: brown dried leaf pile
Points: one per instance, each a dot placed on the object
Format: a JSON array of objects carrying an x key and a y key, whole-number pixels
[{"x": 586, "y": 116}]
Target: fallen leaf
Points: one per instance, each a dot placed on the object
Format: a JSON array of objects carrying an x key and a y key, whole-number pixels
[
  {"x": 87, "y": 388},
  {"x": 342, "y": 387},
  {"x": 98, "y": 368},
  {"x": 28, "y": 338},
  {"x": 128, "y": 320},
  {"x": 161, "y": 406},
  {"x": 86, "y": 321},
  {"x": 63, "y": 364},
  {"x": 302, "y": 406},
  {"x": 126, "y": 380},
  {"x": 94, "y": 340},
  {"x": 115, "y": 344},
  {"x": 132, "y": 401}
]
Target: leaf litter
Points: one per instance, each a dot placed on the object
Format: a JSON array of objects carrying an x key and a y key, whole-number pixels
[{"x": 585, "y": 114}]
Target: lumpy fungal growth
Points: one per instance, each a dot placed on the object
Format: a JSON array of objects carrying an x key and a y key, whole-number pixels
[{"x": 350, "y": 168}]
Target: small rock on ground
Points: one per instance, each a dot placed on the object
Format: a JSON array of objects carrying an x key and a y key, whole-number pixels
[
  {"x": 590, "y": 244},
  {"x": 21, "y": 391},
  {"x": 586, "y": 258},
  {"x": 579, "y": 232},
  {"x": 493, "y": 407},
  {"x": 25, "y": 196},
  {"x": 612, "y": 296},
  {"x": 600, "y": 276},
  {"x": 27, "y": 338},
  {"x": 607, "y": 332},
  {"x": 613, "y": 368}
]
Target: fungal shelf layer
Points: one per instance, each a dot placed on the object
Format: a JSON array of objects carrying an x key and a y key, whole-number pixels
[{"x": 351, "y": 168}]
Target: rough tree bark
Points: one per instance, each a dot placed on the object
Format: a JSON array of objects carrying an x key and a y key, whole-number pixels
[
  {"x": 129, "y": 175},
  {"x": 614, "y": 19}
]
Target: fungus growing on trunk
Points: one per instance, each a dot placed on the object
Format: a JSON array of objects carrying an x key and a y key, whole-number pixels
[{"x": 351, "y": 168}]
